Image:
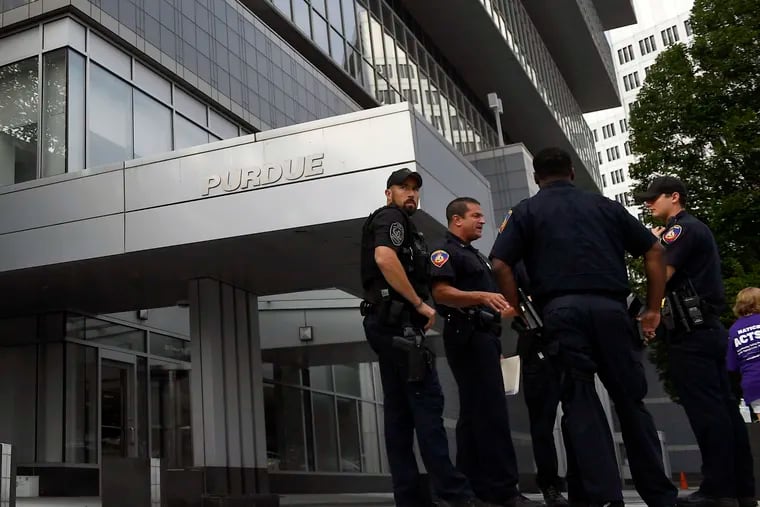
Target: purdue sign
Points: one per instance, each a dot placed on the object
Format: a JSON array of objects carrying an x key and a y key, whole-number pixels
[{"x": 295, "y": 169}]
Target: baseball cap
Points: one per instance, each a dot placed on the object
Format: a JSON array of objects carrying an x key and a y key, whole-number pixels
[
  {"x": 662, "y": 185},
  {"x": 399, "y": 176}
]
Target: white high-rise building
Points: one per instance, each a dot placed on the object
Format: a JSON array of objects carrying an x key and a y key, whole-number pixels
[{"x": 633, "y": 53}]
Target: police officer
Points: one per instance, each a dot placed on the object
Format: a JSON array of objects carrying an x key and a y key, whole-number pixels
[
  {"x": 395, "y": 277},
  {"x": 467, "y": 296},
  {"x": 573, "y": 244},
  {"x": 697, "y": 348},
  {"x": 541, "y": 390}
]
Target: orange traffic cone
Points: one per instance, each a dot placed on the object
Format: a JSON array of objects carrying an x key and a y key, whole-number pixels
[{"x": 684, "y": 484}]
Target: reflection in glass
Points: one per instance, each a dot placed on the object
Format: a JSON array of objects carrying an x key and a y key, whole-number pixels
[
  {"x": 320, "y": 377},
  {"x": 170, "y": 347},
  {"x": 116, "y": 409},
  {"x": 370, "y": 442},
  {"x": 287, "y": 374},
  {"x": 348, "y": 429},
  {"x": 337, "y": 49},
  {"x": 381, "y": 434},
  {"x": 319, "y": 25},
  {"x": 105, "y": 332},
  {"x": 284, "y": 428},
  {"x": 76, "y": 127},
  {"x": 171, "y": 429},
  {"x": 81, "y": 414},
  {"x": 142, "y": 383},
  {"x": 284, "y": 6},
  {"x": 54, "y": 113},
  {"x": 347, "y": 379},
  {"x": 333, "y": 14},
  {"x": 110, "y": 118},
  {"x": 325, "y": 434},
  {"x": 301, "y": 16},
  {"x": 153, "y": 126},
  {"x": 19, "y": 108},
  {"x": 50, "y": 403},
  {"x": 187, "y": 133},
  {"x": 349, "y": 22}
]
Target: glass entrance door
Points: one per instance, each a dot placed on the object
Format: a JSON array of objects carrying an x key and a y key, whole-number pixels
[{"x": 117, "y": 415}]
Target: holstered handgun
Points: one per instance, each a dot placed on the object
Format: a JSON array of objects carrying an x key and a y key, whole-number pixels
[
  {"x": 686, "y": 306},
  {"x": 418, "y": 357},
  {"x": 530, "y": 319},
  {"x": 484, "y": 319}
]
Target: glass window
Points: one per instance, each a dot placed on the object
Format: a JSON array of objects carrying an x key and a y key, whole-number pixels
[
  {"x": 19, "y": 110},
  {"x": 349, "y": 22},
  {"x": 110, "y": 118},
  {"x": 337, "y": 49},
  {"x": 76, "y": 127},
  {"x": 106, "y": 333},
  {"x": 153, "y": 126},
  {"x": 333, "y": 14},
  {"x": 348, "y": 429},
  {"x": 54, "y": 113},
  {"x": 301, "y": 16},
  {"x": 171, "y": 430},
  {"x": 169, "y": 346},
  {"x": 81, "y": 410},
  {"x": 284, "y": 6},
  {"x": 283, "y": 409},
  {"x": 369, "y": 436},
  {"x": 320, "y": 377},
  {"x": 319, "y": 6},
  {"x": 320, "y": 33},
  {"x": 347, "y": 379},
  {"x": 325, "y": 432},
  {"x": 187, "y": 133}
]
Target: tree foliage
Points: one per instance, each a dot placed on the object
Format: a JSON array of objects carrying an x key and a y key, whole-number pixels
[{"x": 698, "y": 118}]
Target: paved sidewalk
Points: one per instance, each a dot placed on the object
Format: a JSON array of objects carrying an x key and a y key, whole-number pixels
[{"x": 632, "y": 499}]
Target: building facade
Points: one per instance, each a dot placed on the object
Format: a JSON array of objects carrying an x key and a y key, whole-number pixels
[
  {"x": 633, "y": 56},
  {"x": 183, "y": 186}
]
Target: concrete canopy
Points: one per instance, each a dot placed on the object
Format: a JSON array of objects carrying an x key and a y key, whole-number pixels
[{"x": 274, "y": 212}]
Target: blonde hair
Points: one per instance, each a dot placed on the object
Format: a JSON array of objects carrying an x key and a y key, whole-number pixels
[{"x": 747, "y": 302}]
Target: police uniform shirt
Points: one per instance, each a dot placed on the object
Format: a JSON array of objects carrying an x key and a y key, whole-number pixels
[
  {"x": 462, "y": 266},
  {"x": 572, "y": 241},
  {"x": 691, "y": 249},
  {"x": 390, "y": 227}
]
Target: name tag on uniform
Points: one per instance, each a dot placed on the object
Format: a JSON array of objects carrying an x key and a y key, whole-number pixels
[{"x": 510, "y": 371}]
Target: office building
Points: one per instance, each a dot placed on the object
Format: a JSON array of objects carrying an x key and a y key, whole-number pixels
[{"x": 183, "y": 188}]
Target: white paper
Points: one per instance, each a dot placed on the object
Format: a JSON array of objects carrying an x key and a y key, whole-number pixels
[{"x": 510, "y": 371}]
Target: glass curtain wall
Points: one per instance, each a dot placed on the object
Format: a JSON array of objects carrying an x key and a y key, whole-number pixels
[
  {"x": 371, "y": 42},
  {"x": 324, "y": 418},
  {"x": 47, "y": 128}
]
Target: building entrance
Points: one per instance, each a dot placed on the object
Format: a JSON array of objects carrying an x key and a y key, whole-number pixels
[{"x": 117, "y": 409}]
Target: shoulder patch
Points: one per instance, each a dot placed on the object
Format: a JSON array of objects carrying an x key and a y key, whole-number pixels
[
  {"x": 672, "y": 234},
  {"x": 397, "y": 233},
  {"x": 439, "y": 258},
  {"x": 506, "y": 219}
]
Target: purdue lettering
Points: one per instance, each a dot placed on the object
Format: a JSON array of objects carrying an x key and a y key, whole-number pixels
[{"x": 295, "y": 169}]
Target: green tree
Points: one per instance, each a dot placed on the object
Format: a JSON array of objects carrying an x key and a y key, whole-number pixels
[{"x": 698, "y": 118}]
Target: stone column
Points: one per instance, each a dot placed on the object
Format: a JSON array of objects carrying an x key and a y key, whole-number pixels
[{"x": 229, "y": 438}]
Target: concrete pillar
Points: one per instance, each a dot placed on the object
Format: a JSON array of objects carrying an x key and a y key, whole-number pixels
[{"x": 229, "y": 438}]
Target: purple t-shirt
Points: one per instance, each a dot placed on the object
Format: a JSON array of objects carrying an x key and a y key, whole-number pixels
[{"x": 744, "y": 354}]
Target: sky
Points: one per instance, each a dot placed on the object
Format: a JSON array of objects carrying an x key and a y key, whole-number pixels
[{"x": 648, "y": 13}]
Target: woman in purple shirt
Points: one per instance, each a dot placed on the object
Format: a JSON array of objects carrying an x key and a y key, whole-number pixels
[{"x": 744, "y": 345}]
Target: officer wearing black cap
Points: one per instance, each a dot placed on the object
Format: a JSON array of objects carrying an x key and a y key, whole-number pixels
[
  {"x": 467, "y": 296},
  {"x": 573, "y": 244},
  {"x": 395, "y": 277},
  {"x": 697, "y": 348}
]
